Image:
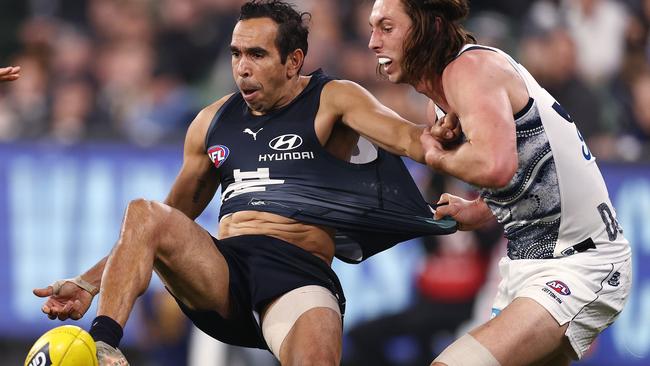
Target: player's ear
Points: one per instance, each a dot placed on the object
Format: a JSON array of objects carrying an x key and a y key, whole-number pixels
[{"x": 294, "y": 62}]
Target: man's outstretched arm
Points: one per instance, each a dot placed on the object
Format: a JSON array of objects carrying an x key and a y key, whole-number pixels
[
  {"x": 361, "y": 111},
  {"x": 192, "y": 190}
]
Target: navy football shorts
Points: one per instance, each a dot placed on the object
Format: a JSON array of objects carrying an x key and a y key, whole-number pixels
[{"x": 261, "y": 269}]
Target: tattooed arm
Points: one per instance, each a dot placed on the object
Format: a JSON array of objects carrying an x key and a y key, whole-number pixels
[{"x": 197, "y": 181}]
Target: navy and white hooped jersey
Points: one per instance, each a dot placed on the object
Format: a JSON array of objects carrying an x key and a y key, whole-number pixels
[
  {"x": 275, "y": 163},
  {"x": 557, "y": 203}
]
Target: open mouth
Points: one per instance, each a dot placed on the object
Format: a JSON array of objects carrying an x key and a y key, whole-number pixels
[
  {"x": 384, "y": 61},
  {"x": 249, "y": 93}
]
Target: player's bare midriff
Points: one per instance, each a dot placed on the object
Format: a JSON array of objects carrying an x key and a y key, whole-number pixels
[{"x": 318, "y": 240}]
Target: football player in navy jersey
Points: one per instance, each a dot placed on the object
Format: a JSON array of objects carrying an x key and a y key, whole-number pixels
[
  {"x": 279, "y": 148},
  {"x": 567, "y": 272}
]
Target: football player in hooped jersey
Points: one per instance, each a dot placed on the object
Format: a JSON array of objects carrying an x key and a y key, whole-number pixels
[
  {"x": 291, "y": 201},
  {"x": 567, "y": 272}
]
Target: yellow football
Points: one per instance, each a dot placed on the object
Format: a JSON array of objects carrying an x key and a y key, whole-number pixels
[{"x": 67, "y": 345}]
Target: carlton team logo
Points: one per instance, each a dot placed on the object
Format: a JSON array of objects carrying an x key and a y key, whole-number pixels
[
  {"x": 218, "y": 154},
  {"x": 559, "y": 287}
]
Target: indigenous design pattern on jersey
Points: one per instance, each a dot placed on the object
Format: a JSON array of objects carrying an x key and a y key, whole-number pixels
[
  {"x": 529, "y": 206},
  {"x": 557, "y": 203}
]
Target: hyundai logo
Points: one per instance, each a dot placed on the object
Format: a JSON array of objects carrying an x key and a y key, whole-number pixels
[{"x": 285, "y": 142}]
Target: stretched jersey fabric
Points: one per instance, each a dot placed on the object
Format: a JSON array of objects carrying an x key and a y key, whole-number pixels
[
  {"x": 557, "y": 203},
  {"x": 275, "y": 163}
]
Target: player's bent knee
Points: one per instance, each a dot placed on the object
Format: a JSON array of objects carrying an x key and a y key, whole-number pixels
[
  {"x": 149, "y": 209},
  {"x": 466, "y": 351},
  {"x": 139, "y": 204},
  {"x": 139, "y": 213},
  {"x": 283, "y": 314},
  {"x": 145, "y": 215}
]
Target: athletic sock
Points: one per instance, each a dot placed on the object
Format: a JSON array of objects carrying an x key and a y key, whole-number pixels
[{"x": 106, "y": 330}]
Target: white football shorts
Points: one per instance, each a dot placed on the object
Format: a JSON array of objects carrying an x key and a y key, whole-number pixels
[{"x": 586, "y": 291}]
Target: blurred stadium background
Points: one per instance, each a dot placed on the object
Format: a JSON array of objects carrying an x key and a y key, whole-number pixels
[{"x": 108, "y": 88}]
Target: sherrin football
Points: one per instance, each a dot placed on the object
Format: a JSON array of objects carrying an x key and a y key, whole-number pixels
[{"x": 67, "y": 345}]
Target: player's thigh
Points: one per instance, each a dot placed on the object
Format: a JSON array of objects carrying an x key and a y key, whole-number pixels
[
  {"x": 524, "y": 333},
  {"x": 315, "y": 337},
  {"x": 303, "y": 326},
  {"x": 191, "y": 266}
]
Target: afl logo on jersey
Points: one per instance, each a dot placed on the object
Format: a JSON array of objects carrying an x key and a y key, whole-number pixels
[
  {"x": 218, "y": 154},
  {"x": 286, "y": 142},
  {"x": 559, "y": 287}
]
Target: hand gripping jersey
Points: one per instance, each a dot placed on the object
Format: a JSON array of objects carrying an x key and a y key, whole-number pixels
[
  {"x": 557, "y": 202},
  {"x": 275, "y": 163}
]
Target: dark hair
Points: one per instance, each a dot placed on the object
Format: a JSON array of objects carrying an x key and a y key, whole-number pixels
[
  {"x": 292, "y": 27},
  {"x": 429, "y": 48}
]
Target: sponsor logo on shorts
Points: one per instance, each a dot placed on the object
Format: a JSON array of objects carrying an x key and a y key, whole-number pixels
[
  {"x": 218, "y": 154},
  {"x": 552, "y": 294},
  {"x": 559, "y": 287},
  {"x": 615, "y": 279}
]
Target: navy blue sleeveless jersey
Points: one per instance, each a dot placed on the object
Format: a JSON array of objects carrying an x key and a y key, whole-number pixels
[{"x": 275, "y": 163}]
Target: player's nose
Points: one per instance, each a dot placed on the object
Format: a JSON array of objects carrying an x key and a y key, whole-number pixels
[
  {"x": 243, "y": 68},
  {"x": 374, "y": 43}
]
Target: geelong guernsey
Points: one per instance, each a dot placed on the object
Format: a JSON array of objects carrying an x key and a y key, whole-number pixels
[
  {"x": 557, "y": 203},
  {"x": 275, "y": 163}
]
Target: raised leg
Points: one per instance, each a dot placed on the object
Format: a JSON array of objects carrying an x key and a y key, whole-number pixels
[{"x": 183, "y": 254}]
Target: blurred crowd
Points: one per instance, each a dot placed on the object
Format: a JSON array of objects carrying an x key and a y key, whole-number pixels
[{"x": 137, "y": 71}]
